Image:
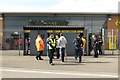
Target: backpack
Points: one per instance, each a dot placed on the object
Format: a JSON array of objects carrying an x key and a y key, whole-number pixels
[{"x": 78, "y": 42}]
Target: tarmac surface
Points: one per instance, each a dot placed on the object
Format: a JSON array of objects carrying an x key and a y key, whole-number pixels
[{"x": 19, "y": 66}]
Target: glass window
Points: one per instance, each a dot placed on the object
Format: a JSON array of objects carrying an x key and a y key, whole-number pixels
[
  {"x": 88, "y": 21},
  {"x": 76, "y": 22}
]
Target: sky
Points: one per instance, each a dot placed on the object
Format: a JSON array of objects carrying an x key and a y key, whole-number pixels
[{"x": 59, "y": 6}]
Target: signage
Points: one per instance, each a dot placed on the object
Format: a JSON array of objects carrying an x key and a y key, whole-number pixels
[
  {"x": 27, "y": 31},
  {"x": 65, "y": 31},
  {"x": 117, "y": 24}
]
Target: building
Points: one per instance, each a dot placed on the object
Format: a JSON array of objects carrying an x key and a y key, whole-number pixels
[
  {"x": 1, "y": 33},
  {"x": 25, "y": 23}
]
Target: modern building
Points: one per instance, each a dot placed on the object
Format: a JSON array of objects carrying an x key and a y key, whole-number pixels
[{"x": 69, "y": 23}]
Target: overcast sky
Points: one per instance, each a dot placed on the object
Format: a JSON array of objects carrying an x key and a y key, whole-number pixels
[{"x": 59, "y": 6}]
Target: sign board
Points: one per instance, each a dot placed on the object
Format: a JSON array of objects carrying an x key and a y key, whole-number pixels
[
  {"x": 65, "y": 31},
  {"x": 27, "y": 31},
  {"x": 117, "y": 24}
]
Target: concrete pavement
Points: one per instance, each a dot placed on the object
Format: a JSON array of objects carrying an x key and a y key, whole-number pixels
[{"x": 15, "y": 66}]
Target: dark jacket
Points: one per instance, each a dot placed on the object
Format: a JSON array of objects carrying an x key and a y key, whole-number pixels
[{"x": 78, "y": 43}]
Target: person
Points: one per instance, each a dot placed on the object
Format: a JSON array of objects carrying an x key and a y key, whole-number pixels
[
  {"x": 57, "y": 48},
  {"x": 40, "y": 47},
  {"x": 100, "y": 41},
  {"x": 62, "y": 43},
  {"x": 52, "y": 46},
  {"x": 95, "y": 46},
  {"x": 7, "y": 43},
  {"x": 78, "y": 47},
  {"x": 47, "y": 45},
  {"x": 84, "y": 44},
  {"x": 28, "y": 44},
  {"x": 90, "y": 45},
  {"x": 20, "y": 42},
  {"x": 15, "y": 44}
]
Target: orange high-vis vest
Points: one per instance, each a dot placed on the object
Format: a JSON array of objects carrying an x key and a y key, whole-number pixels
[{"x": 39, "y": 44}]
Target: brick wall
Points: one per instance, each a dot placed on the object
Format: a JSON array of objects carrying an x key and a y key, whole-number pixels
[
  {"x": 0, "y": 31},
  {"x": 111, "y": 25}
]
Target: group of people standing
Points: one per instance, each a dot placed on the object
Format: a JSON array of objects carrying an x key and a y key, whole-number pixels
[
  {"x": 56, "y": 45},
  {"x": 95, "y": 43}
]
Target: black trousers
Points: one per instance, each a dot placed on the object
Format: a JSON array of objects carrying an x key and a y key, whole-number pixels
[
  {"x": 100, "y": 49},
  {"x": 39, "y": 54},
  {"x": 57, "y": 53},
  {"x": 90, "y": 49},
  {"x": 78, "y": 53},
  {"x": 96, "y": 52},
  {"x": 62, "y": 53},
  {"x": 51, "y": 54}
]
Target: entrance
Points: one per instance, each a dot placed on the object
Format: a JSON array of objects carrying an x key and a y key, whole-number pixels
[{"x": 69, "y": 32}]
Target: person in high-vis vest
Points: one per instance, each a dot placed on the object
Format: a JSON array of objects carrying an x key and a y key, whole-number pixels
[
  {"x": 84, "y": 45},
  {"x": 40, "y": 47},
  {"x": 52, "y": 47}
]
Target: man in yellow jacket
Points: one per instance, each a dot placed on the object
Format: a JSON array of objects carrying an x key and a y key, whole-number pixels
[
  {"x": 52, "y": 47},
  {"x": 40, "y": 47}
]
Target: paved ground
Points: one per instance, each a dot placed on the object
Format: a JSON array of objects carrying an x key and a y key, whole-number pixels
[{"x": 15, "y": 66}]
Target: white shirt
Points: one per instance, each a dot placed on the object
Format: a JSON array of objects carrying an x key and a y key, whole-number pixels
[{"x": 62, "y": 42}]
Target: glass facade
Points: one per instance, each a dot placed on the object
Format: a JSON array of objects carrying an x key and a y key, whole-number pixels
[
  {"x": 92, "y": 22},
  {"x": 15, "y": 23}
]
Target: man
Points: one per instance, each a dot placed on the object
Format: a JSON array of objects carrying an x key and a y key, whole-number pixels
[
  {"x": 57, "y": 48},
  {"x": 78, "y": 47},
  {"x": 95, "y": 46},
  {"x": 90, "y": 45},
  {"x": 40, "y": 47},
  {"x": 7, "y": 43},
  {"x": 28, "y": 45},
  {"x": 52, "y": 46},
  {"x": 47, "y": 40},
  {"x": 62, "y": 43},
  {"x": 100, "y": 41}
]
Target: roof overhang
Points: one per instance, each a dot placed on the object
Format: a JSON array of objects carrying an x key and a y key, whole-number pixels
[
  {"x": 55, "y": 13},
  {"x": 53, "y": 27}
]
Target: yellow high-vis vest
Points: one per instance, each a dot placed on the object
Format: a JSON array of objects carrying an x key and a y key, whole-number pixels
[{"x": 53, "y": 42}]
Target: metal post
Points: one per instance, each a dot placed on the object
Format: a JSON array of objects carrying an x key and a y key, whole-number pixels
[
  {"x": 87, "y": 41},
  {"x": 19, "y": 42},
  {"x": 118, "y": 39},
  {"x": 112, "y": 41},
  {"x": 103, "y": 34}
]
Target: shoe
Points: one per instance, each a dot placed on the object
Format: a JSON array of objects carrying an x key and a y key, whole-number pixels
[
  {"x": 52, "y": 64},
  {"x": 75, "y": 58},
  {"x": 41, "y": 59},
  {"x": 57, "y": 58},
  {"x": 62, "y": 62},
  {"x": 53, "y": 58},
  {"x": 36, "y": 58}
]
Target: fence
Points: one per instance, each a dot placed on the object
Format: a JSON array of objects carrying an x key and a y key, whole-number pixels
[
  {"x": 13, "y": 41},
  {"x": 111, "y": 40}
]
